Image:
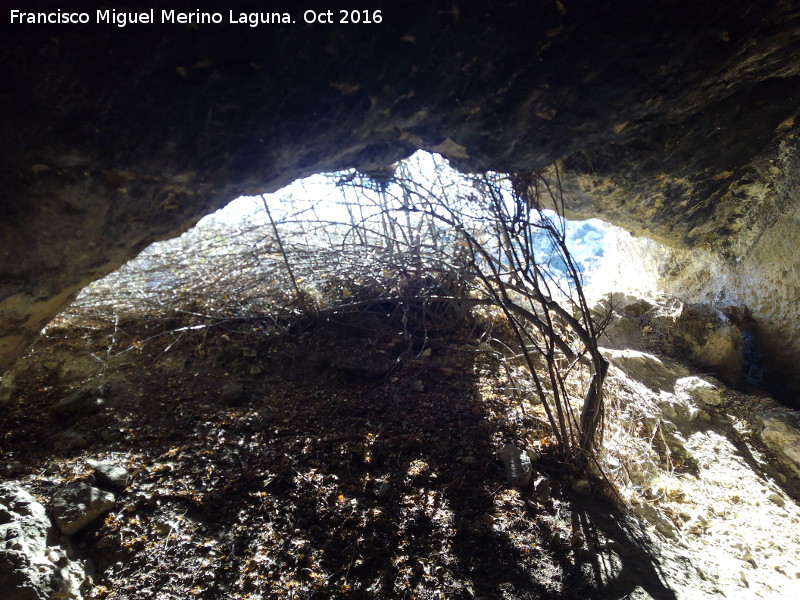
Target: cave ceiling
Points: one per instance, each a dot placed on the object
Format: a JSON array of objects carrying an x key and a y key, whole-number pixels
[{"x": 673, "y": 119}]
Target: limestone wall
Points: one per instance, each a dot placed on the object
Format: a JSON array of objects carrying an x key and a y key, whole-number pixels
[{"x": 766, "y": 279}]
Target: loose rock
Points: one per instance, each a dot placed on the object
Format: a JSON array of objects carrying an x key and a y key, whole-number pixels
[
  {"x": 695, "y": 388},
  {"x": 30, "y": 567},
  {"x": 517, "y": 464},
  {"x": 83, "y": 401},
  {"x": 782, "y": 434},
  {"x": 581, "y": 486},
  {"x": 384, "y": 487},
  {"x": 6, "y": 387},
  {"x": 14, "y": 467},
  {"x": 78, "y": 504},
  {"x": 112, "y": 435},
  {"x": 110, "y": 473},
  {"x": 542, "y": 488},
  {"x": 70, "y": 439},
  {"x": 234, "y": 394}
]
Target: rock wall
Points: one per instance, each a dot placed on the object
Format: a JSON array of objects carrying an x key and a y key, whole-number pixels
[
  {"x": 765, "y": 279},
  {"x": 669, "y": 117}
]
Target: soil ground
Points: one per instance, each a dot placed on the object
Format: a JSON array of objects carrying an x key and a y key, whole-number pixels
[{"x": 339, "y": 472}]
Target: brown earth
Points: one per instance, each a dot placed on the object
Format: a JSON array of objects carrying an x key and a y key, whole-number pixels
[{"x": 342, "y": 472}]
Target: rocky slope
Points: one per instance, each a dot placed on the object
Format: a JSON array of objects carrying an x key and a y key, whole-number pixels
[
  {"x": 209, "y": 463},
  {"x": 758, "y": 288}
]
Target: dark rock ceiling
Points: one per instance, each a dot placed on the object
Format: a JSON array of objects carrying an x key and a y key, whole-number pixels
[{"x": 675, "y": 119}]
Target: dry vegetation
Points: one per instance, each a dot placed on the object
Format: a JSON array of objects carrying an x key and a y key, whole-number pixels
[
  {"x": 326, "y": 481},
  {"x": 435, "y": 251},
  {"x": 383, "y": 361}
]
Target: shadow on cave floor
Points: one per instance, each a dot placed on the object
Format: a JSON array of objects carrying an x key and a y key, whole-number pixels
[{"x": 325, "y": 481}]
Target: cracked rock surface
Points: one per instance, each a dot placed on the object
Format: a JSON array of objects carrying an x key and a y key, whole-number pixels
[{"x": 33, "y": 564}]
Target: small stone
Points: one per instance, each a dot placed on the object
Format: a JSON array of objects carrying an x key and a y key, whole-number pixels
[
  {"x": 78, "y": 504},
  {"x": 416, "y": 386},
  {"x": 666, "y": 529},
  {"x": 581, "y": 486},
  {"x": 541, "y": 488},
  {"x": 70, "y": 439},
  {"x": 80, "y": 402},
  {"x": 383, "y": 489},
  {"x": 773, "y": 497},
  {"x": 743, "y": 579},
  {"x": 14, "y": 467},
  {"x": 110, "y": 473},
  {"x": 668, "y": 410},
  {"x": 517, "y": 464},
  {"x": 162, "y": 528},
  {"x": 112, "y": 435},
  {"x": 51, "y": 365},
  {"x": 234, "y": 394},
  {"x": 699, "y": 526},
  {"x": 560, "y": 539}
]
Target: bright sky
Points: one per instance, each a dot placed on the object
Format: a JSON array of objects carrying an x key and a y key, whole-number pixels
[
  {"x": 328, "y": 202},
  {"x": 318, "y": 191}
]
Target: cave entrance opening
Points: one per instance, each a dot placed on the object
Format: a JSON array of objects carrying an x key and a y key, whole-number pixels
[
  {"x": 417, "y": 245},
  {"x": 233, "y": 253}
]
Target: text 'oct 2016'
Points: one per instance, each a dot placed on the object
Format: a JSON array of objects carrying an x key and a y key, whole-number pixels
[{"x": 122, "y": 18}]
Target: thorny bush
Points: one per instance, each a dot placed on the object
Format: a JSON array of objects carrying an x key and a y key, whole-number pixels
[{"x": 424, "y": 254}]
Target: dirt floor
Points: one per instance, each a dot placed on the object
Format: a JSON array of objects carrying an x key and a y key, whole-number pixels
[{"x": 312, "y": 465}]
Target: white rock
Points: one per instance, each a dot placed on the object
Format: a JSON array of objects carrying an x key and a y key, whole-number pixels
[
  {"x": 656, "y": 373},
  {"x": 542, "y": 488},
  {"x": 782, "y": 434},
  {"x": 694, "y": 389},
  {"x": 110, "y": 473}
]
